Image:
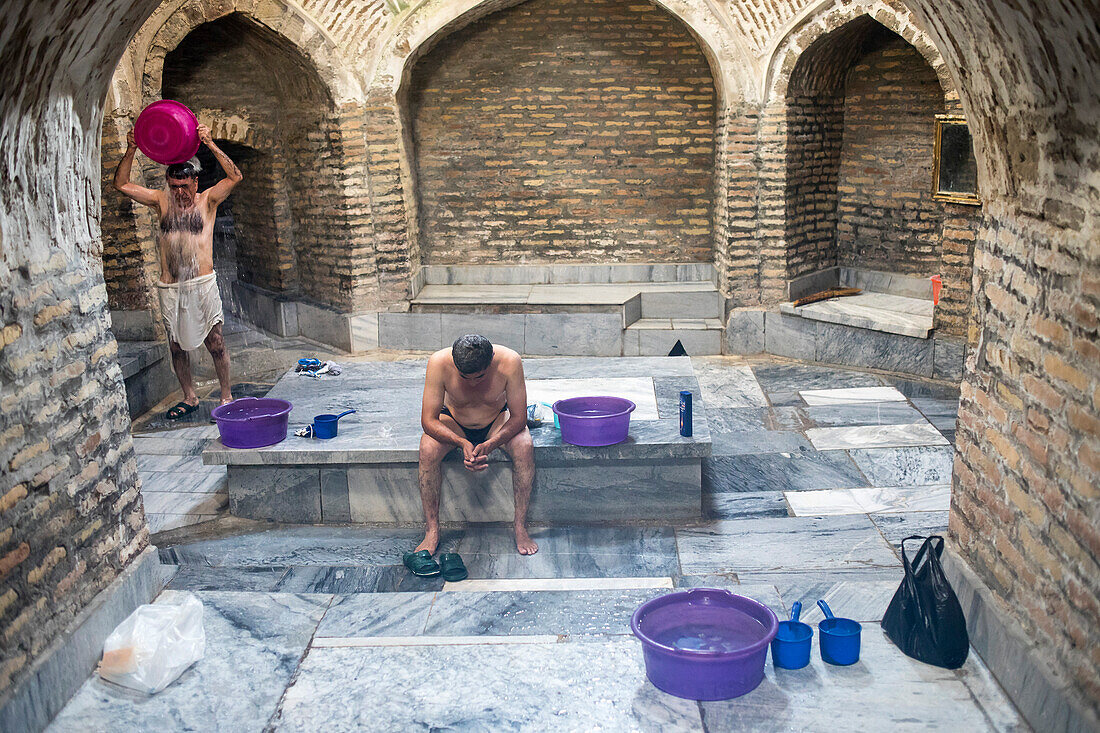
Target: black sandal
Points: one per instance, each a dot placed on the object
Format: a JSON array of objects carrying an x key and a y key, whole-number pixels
[{"x": 180, "y": 409}]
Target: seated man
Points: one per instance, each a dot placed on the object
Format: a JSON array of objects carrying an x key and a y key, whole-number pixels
[{"x": 475, "y": 399}]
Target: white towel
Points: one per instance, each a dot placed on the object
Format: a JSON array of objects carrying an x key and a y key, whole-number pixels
[{"x": 190, "y": 309}]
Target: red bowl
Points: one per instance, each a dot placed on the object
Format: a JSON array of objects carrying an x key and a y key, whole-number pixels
[{"x": 168, "y": 132}]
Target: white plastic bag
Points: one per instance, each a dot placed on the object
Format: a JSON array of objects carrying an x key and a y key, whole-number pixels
[{"x": 155, "y": 644}]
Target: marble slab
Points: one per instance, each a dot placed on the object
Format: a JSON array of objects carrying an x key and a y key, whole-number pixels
[
  {"x": 874, "y": 436},
  {"x": 910, "y": 466},
  {"x": 204, "y": 578},
  {"x": 642, "y": 366},
  {"x": 724, "y": 384},
  {"x": 151, "y": 462},
  {"x": 885, "y": 690},
  {"x": 597, "y": 685},
  {"x": 160, "y": 502},
  {"x": 868, "y": 500},
  {"x": 770, "y": 545},
  {"x": 253, "y": 644},
  {"x": 521, "y": 613},
  {"x": 850, "y": 395},
  {"x": 164, "y": 522},
  {"x": 376, "y": 614},
  {"x": 874, "y": 311},
  {"x": 794, "y": 377},
  {"x": 305, "y": 545},
  {"x": 897, "y": 526},
  {"x": 757, "y": 442},
  {"x": 343, "y": 580},
  {"x": 572, "y": 552},
  {"x": 871, "y": 413},
  {"x": 851, "y": 597},
  {"x": 638, "y": 390},
  {"x": 731, "y": 505},
  {"x": 569, "y": 584},
  {"x": 184, "y": 480},
  {"x": 795, "y": 471}
]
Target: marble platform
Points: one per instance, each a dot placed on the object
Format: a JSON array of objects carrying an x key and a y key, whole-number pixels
[{"x": 369, "y": 472}]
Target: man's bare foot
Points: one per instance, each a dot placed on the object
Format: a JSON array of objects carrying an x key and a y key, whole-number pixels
[
  {"x": 430, "y": 543},
  {"x": 524, "y": 543}
]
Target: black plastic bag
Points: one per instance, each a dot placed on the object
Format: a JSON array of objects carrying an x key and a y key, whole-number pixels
[{"x": 924, "y": 618}]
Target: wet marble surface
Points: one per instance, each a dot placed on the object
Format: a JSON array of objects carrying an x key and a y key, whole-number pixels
[
  {"x": 869, "y": 500},
  {"x": 795, "y": 471},
  {"x": 851, "y": 395},
  {"x": 727, "y": 385},
  {"x": 596, "y": 685},
  {"x": 768, "y": 545},
  {"x": 883, "y": 691},
  {"x": 785, "y": 378},
  {"x": 376, "y": 614},
  {"x": 736, "y": 505},
  {"x": 914, "y": 466},
  {"x": 874, "y": 436},
  {"x": 873, "y": 413},
  {"x": 897, "y": 526},
  {"x": 513, "y": 613},
  {"x": 254, "y": 642}
]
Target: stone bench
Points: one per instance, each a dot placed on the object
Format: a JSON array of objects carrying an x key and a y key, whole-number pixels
[{"x": 368, "y": 473}]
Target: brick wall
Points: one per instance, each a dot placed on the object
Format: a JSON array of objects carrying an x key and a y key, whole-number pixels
[
  {"x": 886, "y": 217},
  {"x": 565, "y": 130},
  {"x": 70, "y": 510}
]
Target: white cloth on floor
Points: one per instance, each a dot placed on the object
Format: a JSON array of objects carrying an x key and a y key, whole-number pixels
[{"x": 190, "y": 309}]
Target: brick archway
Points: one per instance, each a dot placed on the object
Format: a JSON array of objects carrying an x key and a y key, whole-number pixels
[
  {"x": 829, "y": 16},
  {"x": 393, "y": 177}
]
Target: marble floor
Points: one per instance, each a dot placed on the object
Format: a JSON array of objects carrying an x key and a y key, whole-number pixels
[{"x": 314, "y": 627}]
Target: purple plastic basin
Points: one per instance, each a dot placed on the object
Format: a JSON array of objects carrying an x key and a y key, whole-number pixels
[
  {"x": 252, "y": 422},
  {"x": 704, "y": 644},
  {"x": 594, "y": 420}
]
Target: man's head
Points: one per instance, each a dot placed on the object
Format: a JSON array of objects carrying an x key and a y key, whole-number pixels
[
  {"x": 183, "y": 183},
  {"x": 472, "y": 355}
]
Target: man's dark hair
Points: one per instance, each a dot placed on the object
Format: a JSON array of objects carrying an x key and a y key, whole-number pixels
[
  {"x": 472, "y": 353},
  {"x": 181, "y": 170}
]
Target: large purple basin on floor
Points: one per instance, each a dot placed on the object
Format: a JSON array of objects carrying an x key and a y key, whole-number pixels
[
  {"x": 704, "y": 644},
  {"x": 252, "y": 422},
  {"x": 594, "y": 421}
]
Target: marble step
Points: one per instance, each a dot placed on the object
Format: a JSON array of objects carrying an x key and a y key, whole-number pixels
[
  {"x": 698, "y": 299},
  {"x": 658, "y": 336},
  {"x": 872, "y": 311}
]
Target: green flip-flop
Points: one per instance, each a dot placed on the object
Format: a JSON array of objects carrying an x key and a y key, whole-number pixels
[
  {"x": 421, "y": 564},
  {"x": 453, "y": 568}
]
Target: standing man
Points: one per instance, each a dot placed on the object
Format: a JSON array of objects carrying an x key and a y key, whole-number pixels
[
  {"x": 189, "y": 300},
  {"x": 475, "y": 399}
]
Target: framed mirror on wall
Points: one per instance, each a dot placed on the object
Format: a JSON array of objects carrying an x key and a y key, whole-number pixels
[{"x": 954, "y": 171}]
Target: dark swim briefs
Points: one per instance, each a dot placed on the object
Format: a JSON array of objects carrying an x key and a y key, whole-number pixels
[{"x": 474, "y": 435}]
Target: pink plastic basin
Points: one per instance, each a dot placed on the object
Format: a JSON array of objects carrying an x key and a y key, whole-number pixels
[
  {"x": 594, "y": 421},
  {"x": 167, "y": 132}
]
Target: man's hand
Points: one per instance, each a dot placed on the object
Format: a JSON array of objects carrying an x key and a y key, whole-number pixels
[
  {"x": 474, "y": 461},
  {"x": 130, "y": 144},
  {"x": 204, "y": 135}
]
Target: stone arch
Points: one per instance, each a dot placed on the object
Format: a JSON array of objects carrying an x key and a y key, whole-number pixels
[
  {"x": 393, "y": 181},
  {"x": 423, "y": 27},
  {"x": 293, "y": 25},
  {"x": 830, "y": 16}
]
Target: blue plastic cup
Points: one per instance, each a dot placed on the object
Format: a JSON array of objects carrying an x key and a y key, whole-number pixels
[
  {"x": 325, "y": 426},
  {"x": 839, "y": 638},
  {"x": 791, "y": 645}
]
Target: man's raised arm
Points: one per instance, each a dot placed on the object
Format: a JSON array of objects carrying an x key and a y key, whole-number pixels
[
  {"x": 220, "y": 191},
  {"x": 141, "y": 194}
]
